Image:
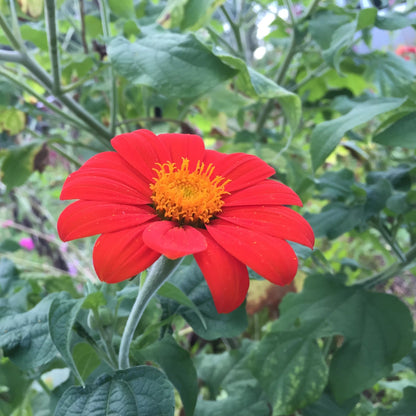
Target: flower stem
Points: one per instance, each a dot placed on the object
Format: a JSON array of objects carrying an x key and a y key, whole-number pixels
[
  {"x": 158, "y": 274},
  {"x": 50, "y": 12}
]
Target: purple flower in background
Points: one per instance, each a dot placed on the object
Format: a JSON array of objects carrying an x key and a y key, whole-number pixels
[{"x": 27, "y": 243}]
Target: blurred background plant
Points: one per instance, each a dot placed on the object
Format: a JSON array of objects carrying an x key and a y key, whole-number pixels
[{"x": 323, "y": 91}]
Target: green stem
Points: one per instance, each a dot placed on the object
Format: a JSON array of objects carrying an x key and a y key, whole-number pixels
[
  {"x": 18, "y": 81},
  {"x": 317, "y": 72},
  {"x": 105, "y": 21},
  {"x": 9, "y": 34},
  {"x": 108, "y": 346},
  {"x": 390, "y": 271},
  {"x": 236, "y": 31},
  {"x": 11, "y": 56},
  {"x": 264, "y": 114},
  {"x": 83, "y": 30},
  {"x": 50, "y": 12},
  {"x": 390, "y": 240},
  {"x": 158, "y": 274},
  {"x": 310, "y": 10}
]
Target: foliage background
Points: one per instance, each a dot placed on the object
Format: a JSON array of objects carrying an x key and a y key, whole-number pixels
[{"x": 333, "y": 115}]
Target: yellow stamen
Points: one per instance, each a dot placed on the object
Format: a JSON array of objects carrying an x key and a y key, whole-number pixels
[{"x": 191, "y": 198}]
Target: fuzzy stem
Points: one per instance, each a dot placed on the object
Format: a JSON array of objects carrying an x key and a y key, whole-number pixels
[{"x": 158, "y": 274}]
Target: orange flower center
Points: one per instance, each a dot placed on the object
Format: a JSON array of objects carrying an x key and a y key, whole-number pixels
[{"x": 191, "y": 198}]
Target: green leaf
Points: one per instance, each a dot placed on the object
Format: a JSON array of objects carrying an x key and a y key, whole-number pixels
[
  {"x": 394, "y": 20},
  {"x": 191, "y": 281},
  {"x": 405, "y": 407},
  {"x": 366, "y": 18},
  {"x": 327, "y": 135},
  {"x": 85, "y": 358},
  {"x": 326, "y": 405},
  {"x": 8, "y": 274},
  {"x": 229, "y": 372},
  {"x": 174, "y": 64},
  {"x": 14, "y": 384},
  {"x": 401, "y": 133},
  {"x": 62, "y": 315},
  {"x": 25, "y": 336},
  {"x": 342, "y": 38},
  {"x": 257, "y": 85},
  {"x": 178, "y": 366},
  {"x": 291, "y": 370},
  {"x": 12, "y": 120},
  {"x": 94, "y": 301},
  {"x": 335, "y": 219},
  {"x": 122, "y": 8},
  {"x": 391, "y": 74},
  {"x": 170, "y": 291},
  {"x": 35, "y": 36},
  {"x": 18, "y": 165},
  {"x": 377, "y": 333},
  {"x": 323, "y": 25},
  {"x": 142, "y": 390}
]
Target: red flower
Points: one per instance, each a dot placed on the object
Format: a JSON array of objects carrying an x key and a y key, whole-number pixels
[
  {"x": 404, "y": 51},
  {"x": 168, "y": 195}
]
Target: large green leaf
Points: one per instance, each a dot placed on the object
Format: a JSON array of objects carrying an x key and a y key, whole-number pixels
[
  {"x": 257, "y": 85},
  {"x": 174, "y": 64},
  {"x": 400, "y": 133},
  {"x": 25, "y": 336},
  {"x": 191, "y": 281},
  {"x": 62, "y": 315},
  {"x": 229, "y": 372},
  {"x": 327, "y": 135},
  {"x": 391, "y": 20},
  {"x": 326, "y": 405},
  {"x": 391, "y": 74},
  {"x": 177, "y": 364},
  {"x": 142, "y": 390},
  {"x": 377, "y": 333}
]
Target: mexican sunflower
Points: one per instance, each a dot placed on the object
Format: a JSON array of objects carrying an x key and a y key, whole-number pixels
[{"x": 168, "y": 195}]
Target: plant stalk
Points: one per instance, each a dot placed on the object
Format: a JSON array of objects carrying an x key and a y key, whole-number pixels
[{"x": 158, "y": 274}]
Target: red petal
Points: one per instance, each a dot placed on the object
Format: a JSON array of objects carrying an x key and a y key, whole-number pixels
[
  {"x": 277, "y": 221},
  {"x": 268, "y": 192},
  {"x": 121, "y": 255},
  {"x": 168, "y": 238},
  {"x": 181, "y": 146},
  {"x": 86, "y": 218},
  {"x": 227, "y": 277},
  {"x": 270, "y": 257},
  {"x": 106, "y": 177},
  {"x": 142, "y": 150},
  {"x": 243, "y": 170}
]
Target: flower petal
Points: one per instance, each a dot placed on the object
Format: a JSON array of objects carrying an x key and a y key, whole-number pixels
[
  {"x": 189, "y": 146},
  {"x": 281, "y": 222},
  {"x": 270, "y": 257},
  {"x": 106, "y": 177},
  {"x": 268, "y": 192},
  {"x": 226, "y": 276},
  {"x": 173, "y": 241},
  {"x": 142, "y": 150},
  {"x": 87, "y": 218},
  {"x": 244, "y": 170},
  {"x": 121, "y": 255}
]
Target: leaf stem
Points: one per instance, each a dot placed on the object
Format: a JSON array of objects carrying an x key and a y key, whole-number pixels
[
  {"x": 158, "y": 274},
  {"x": 82, "y": 20},
  {"x": 236, "y": 31},
  {"x": 382, "y": 229},
  {"x": 390, "y": 271}
]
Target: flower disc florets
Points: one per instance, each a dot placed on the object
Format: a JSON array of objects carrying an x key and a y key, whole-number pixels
[{"x": 189, "y": 198}]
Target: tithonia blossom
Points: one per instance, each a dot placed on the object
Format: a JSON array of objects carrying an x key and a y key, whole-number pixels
[{"x": 168, "y": 195}]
